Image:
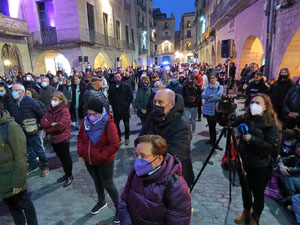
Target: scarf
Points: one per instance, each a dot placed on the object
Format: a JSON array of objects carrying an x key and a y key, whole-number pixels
[
  {"x": 94, "y": 130},
  {"x": 215, "y": 85}
]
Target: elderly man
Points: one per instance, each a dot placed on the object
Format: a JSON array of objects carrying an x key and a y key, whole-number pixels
[
  {"x": 27, "y": 113},
  {"x": 167, "y": 120},
  {"x": 253, "y": 69},
  {"x": 46, "y": 91},
  {"x": 95, "y": 93}
]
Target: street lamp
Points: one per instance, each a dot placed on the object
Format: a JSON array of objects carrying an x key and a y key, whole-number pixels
[{"x": 6, "y": 62}]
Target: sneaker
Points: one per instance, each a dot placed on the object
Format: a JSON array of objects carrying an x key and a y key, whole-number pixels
[
  {"x": 45, "y": 172},
  {"x": 68, "y": 181},
  {"x": 62, "y": 179},
  {"x": 98, "y": 207},
  {"x": 199, "y": 119},
  {"x": 116, "y": 219},
  {"x": 126, "y": 141},
  {"x": 31, "y": 170}
]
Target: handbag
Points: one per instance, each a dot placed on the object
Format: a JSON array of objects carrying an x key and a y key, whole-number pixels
[
  {"x": 30, "y": 126},
  {"x": 272, "y": 190}
]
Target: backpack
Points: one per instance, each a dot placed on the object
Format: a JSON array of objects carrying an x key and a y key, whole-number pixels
[{"x": 232, "y": 164}]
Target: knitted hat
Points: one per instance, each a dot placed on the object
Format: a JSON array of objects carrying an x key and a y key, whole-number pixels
[{"x": 95, "y": 105}]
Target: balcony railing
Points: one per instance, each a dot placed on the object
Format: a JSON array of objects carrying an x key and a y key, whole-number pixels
[
  {"x": 58, "y": 38},
  {"x": 13, "y": 26},
  {"x": 231, "y": 7},
  {"x": 143, "y": 51}
]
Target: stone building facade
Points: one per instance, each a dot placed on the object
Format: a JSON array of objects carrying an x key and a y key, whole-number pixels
[
  {"x": 187, "y": 37},
  {"x": 14, "y": 35},
  {"x": 69, "y": 33},
  {"x": 163, "y": 36},
  {"x": 246, "y": 23}
]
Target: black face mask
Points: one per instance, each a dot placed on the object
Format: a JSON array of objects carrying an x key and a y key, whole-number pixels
[
  {"x": 283, "y": 77},
  {"x": 159, "y": 111}
]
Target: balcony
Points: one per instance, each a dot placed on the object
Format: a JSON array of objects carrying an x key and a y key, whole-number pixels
[
  {"x": 143, "y": 51},
  {"x": 225, "y": 11},
  {"x": 12, "y": 26},
  {"x": 59, "y": 38},
  {"x": 166, "y": 37}
]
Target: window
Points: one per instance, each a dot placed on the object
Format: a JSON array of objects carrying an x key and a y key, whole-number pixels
[
  {"x": 166, "y": 25},
  {"x": 189, "y": 24},
  {"x": 118, "y": 30},
  {"x": 155, "y": 24},
  {"x": 132, "y": 35},
  {"x": 166, "y": 34},
  {"x": 105, "y": 21},
  {"x": 188, "y": 45},
  {"x": 156, "y": 60},
  {"x": 166, "y": 47},
  {"x": 155, "y": 47},
  {"x": 188, "y": 34},
  {"x": 127, "y": 33}
]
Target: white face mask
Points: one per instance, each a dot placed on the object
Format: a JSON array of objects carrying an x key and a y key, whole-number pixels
[
  {"x": 256, "y": 109},
  {"x": 54, "y": 103}
]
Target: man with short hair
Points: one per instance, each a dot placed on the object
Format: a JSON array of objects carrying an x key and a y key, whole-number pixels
[
  {"x": 24, "y": 108},
  {"x": 95, "y": 92},
  {"x": 253, "y": 69},
  {"x": 167, "y": 120},
  {"x": 120, "y": 98},
  {"x": 46, "y": 91}
]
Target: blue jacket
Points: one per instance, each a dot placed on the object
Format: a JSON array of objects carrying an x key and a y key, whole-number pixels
[
  {"x": 27, "y": 108},
  {"x": 211, "y": 95},
  {"x": 177, "y": 88}
]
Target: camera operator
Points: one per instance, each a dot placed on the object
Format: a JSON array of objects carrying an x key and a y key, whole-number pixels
[
  {"x": 257, "y": 147},
  {"x": 212, "y": 94}
]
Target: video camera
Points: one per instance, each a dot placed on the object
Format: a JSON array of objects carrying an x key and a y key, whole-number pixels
[{"x": 225, "y": 110}]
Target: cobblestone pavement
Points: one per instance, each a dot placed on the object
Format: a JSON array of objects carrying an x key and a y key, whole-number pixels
[{"x": 56, "y": 205}]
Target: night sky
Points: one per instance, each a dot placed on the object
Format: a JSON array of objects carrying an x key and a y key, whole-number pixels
[{"x": 178, "y": 7}]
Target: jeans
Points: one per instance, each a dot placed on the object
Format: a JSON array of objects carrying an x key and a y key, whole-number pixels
[
  {"x": 63, "y": 153},
  {"x": 103, "y": 179},
  {"x": 291, "y": 184},
  {"x": 257, "y": 180},
  {"x": 21, "y": 209},
  {"x": 212, "y": 123},
  {"x": 126, "y": 125},
  {"x": 36, "y": 149},
  {"x": 191, "y": 115},
  {"x": 296, "y": 205}
]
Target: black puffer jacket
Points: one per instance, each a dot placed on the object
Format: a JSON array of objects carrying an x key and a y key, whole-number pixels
[
  {"x": 94, "y": 94},
  {"x": 191, "y": 96},
  {"x": 263, "y": 144},
  {"x": 292, "y": 100},
  {"x": 292, "y": 162},
  {"x": 174, "y": 129}
]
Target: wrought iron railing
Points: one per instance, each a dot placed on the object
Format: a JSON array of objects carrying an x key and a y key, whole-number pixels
[{"x": 53, "y": 37}]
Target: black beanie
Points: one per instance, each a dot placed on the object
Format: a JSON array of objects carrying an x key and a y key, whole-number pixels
[{"x": 95, "y": 105}]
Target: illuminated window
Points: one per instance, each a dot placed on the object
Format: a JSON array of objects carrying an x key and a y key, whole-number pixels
[
  {"x": 189, "y": 24},
  {"x": 166, "y": 47},
  {"x": 189, "y": 45}
]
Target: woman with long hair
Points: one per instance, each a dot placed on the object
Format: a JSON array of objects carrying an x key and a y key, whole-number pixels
[
  {"x": 257, "y": 149},
  {"x": 56, "y": 122}
]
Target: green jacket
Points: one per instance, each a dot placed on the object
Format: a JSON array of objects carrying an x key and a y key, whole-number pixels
[{"x": 13, "y": 158}]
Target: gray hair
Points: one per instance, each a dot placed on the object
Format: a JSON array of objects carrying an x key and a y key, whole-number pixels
[
  {"x": 46, "y": 79},
  {"x": 19, "y": 86},
  {"x": 158, "y": 83}
]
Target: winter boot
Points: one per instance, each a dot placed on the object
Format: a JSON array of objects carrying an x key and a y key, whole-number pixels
[{"x": 243, "y": 217}]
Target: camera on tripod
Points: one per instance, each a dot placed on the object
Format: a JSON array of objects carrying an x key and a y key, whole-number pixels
[{"x": 225, "y": 110}]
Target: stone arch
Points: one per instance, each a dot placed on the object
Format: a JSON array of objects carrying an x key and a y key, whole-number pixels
[
  {"x": 53, "y": 61},
  {"x": 252, "y": 52},
  {"x": 11, "y": 59},
  {"x": 102, "y": 60},
  {"x": 124, "y": 61},
  {"x": 213, "y": 56},
  {"x": 291, "y": 58}
]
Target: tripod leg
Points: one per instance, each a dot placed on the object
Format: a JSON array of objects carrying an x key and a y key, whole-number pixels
[{"x": 208, "y": 158}]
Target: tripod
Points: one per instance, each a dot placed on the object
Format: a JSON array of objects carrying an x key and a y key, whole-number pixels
[{"x": 228, "y": 132}]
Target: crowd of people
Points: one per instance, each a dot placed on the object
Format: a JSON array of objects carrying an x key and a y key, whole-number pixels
[{"x": 168, "y": 101}]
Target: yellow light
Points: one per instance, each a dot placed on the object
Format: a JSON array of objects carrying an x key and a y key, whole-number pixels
[{"x": 6, "y": 62}]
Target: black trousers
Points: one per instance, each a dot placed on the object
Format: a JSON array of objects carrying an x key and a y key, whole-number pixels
[
  {"x": 63, "y": 153},
  {"x": 21, "y": 209},
  {"x": 187, "y": 171},
  {"x": 257, "y": 180},
  {"x": 126, "y": 125},
  {"x": 212, "y": 123},
  {"x": 103, "y": 179}
]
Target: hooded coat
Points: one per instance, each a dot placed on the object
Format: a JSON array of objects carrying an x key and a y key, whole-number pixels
[
  {"x": 175, "y": 129},
  {"x": 13, "y": 158},
  {"x": 143, "y": 201}
]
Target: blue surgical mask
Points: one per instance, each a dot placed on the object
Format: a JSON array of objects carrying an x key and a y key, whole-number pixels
[
  {"x": 69, "y": 84},
  {"x": 145, "y": 85},
  {"x": 173, "y": 80},
  {"x": 143, "y": 167},
  {"x": 93, "y": 118},
  {"x": 44, "y": 84},
  {"x": 9, "y": 85},
  {"x": 2, "y": 93},
  {"x": 15, "y": 94}
]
